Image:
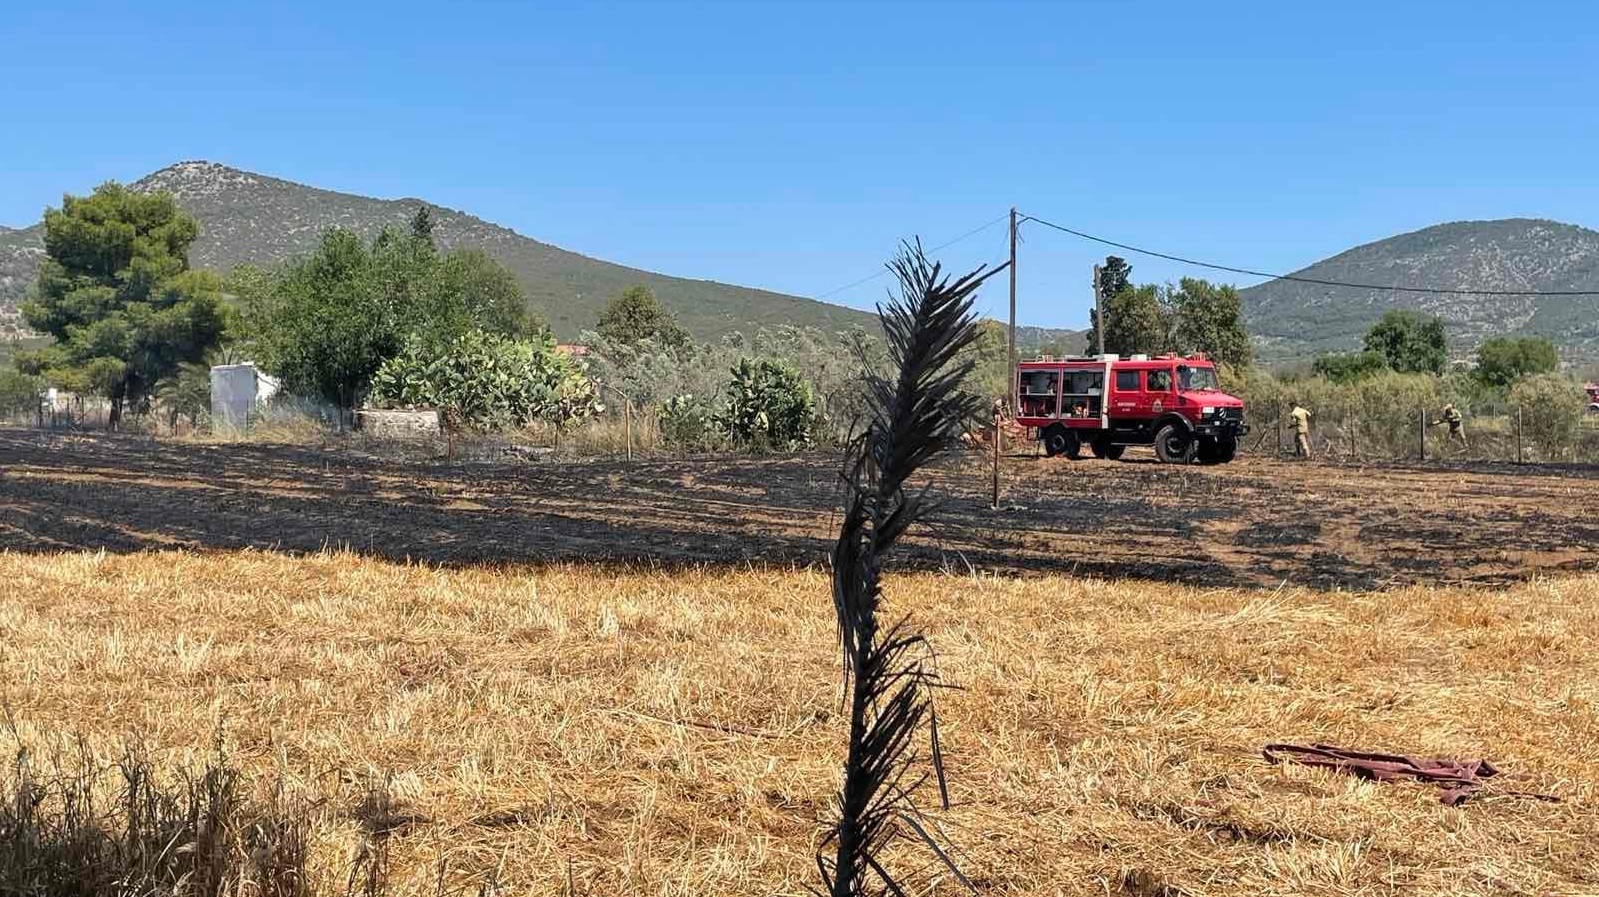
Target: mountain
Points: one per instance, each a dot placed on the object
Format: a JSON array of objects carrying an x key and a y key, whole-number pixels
[
  {"x": 1296, "y": 320},
  {"x": 246, "y": 217}
]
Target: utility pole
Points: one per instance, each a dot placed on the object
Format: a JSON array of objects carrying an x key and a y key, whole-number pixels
[
  {"x": 1099, "y": 312},
  {"x": 1010, "y": 342}
]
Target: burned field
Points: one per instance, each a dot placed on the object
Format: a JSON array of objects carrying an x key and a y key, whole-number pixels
[{"x": 1257, "y": 522}]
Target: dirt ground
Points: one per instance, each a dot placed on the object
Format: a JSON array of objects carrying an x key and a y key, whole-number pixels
[{"x": 1256, "y": 522}]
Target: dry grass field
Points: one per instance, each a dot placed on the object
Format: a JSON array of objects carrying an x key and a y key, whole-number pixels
[{"x": 605, "y": 730}]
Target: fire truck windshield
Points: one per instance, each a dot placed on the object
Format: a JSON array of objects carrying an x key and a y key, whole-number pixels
[{"x": 1196, "y": 379}]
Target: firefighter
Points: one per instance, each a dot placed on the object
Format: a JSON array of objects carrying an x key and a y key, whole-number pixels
[
  {"x": 1457, "y": 427},
  {"x": 1301, "y": 431}
]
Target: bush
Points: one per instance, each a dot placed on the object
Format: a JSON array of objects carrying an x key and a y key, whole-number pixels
[
  {"x": 769, "y": 406},
  {"x": 19, "y": 392},
  {"x": 485, "y": 382},
  {"x": 1551, "y": 411},
  {"x": 687, "y": 423},
  {"x": 1502, "y": 359},
  {"x": 1348, "y": 367}
]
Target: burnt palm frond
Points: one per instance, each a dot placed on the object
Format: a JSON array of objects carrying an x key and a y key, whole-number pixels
[{"x": 888, "y": 672}]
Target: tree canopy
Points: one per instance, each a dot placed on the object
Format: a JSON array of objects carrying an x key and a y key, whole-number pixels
[
  {"x": 1136, "y": 321},
  {"x": 1193, "y": 316},
  {"x": 1501, "y": 359},
  {"x": 326, "y": 322},
  {"x": 1208, "y": 318},
  {"x": 116, "y": 294},
  {"x": 1348, "y": 367},
  {"x": 1410, "y": 342},
  {"x": 637, "y": 315}
]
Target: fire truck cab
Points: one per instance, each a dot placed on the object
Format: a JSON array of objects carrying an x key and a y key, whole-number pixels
[{"x": 1108, "y": 402}]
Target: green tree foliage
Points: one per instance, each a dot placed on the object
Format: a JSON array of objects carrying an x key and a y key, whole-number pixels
[
  {"x": 769, "y": 406},
  {"x": 1136, "y": 321},
  {"x": 989, "y": 355},
  {"x": 1348, "y": 367},
  {"x": 116, "y": 294},
  {"x": 485, "y": 381},
  {"x": 19, "y": 392},
  {"x": 325, "y": 323},
  {"x": 1115, "y": 276},
  {"x": 637, "y": 315},
  {"x": 186, "y": 393},
  {"x": 1502, "y": 359},
  {"x": 1410, "y": 342},
  {"x": 1551, "y": 409},
  {"x": 1208, "y": 318}
]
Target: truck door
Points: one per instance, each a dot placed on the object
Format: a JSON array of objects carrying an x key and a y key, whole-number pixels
[
  {"x": 1160, "y": 392},
  {"x": 1125, "y": 393}
]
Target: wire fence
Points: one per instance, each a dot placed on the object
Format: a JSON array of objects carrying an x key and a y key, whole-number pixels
[{"x": 1499, "y": 433}]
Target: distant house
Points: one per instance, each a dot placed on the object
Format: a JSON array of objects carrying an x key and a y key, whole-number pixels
[{"x": 575, "y": 350}]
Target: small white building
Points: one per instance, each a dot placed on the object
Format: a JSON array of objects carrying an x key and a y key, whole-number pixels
[{"x": 236, "y": 391}]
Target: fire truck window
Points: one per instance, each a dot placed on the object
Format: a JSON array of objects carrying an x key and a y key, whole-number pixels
[
  {"x": 1160, "y": 381},
  {"x": 1127, "y": 381}
]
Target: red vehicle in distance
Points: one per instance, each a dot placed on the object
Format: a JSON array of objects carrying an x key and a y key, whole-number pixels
[{"x": 1107, "y": 403}]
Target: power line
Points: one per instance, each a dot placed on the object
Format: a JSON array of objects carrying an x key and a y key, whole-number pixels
[
  {"x": 870, "y": 277},
  {"x": 1296, "y": 279}
]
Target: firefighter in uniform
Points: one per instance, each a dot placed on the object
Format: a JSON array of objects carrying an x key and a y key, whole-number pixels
[
  {"x": 1301, "y": 431},
  {"x": 1457, "y": 427}
]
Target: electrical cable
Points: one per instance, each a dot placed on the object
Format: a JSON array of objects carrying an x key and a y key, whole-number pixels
[
  {"x": 870, "y": 277},
  {"x": 1455, "y": 291}
]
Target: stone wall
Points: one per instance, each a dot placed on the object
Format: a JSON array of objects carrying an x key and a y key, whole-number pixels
[{"x": 399, "y": 424}]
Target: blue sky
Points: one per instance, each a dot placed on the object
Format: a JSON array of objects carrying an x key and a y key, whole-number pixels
[{"x": 791, "y": 145}]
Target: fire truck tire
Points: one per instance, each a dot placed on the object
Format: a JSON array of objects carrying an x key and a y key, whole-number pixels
[
  {"x": 1060, "y": 441},
  {"x": 1109, "y": 451},
  {"x": 1174, "y": 445}
]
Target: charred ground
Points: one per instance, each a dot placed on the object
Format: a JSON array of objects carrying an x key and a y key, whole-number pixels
[{"x": 1257, "y": 522}]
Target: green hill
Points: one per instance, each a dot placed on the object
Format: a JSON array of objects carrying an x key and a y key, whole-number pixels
[
  {"x": 1296, "y": 320},
  {"x": 246, "y": 217}
]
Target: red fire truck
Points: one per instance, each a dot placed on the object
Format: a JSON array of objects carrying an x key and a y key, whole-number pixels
[{"x": 1108, "y": 402}]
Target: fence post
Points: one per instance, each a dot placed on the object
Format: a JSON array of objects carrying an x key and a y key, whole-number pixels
[
  {"x": 627, "y": 418},
  {"x": 994, "y": 499},
  {"x": 1422, "y": 432},
  {"x": 1518, "y": 436}
]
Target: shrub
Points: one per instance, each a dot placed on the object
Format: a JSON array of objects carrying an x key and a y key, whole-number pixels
[
  {"x": 769, "y": 406},
  {"x": 1348, "y": 367},
  {"x": 19, "y": 392},
  {"x": 1551, "y": 410},
  {"x": 485, "y": 381},
  {"x": 187, "y": 393},
  {"x": 687, "y": 423},
  {"x": 1502, "y": 359}
]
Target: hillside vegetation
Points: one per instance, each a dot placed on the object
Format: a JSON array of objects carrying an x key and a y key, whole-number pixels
[
  {"x": 1296, "y": 320},
  {"x": 246, "y": 217}
]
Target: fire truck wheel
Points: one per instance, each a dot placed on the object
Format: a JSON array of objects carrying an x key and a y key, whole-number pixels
[
  {"x": 1109, "y": 451},
  {"x": 1174, "y": 445},
  {"x": 1060, "y": 441}
]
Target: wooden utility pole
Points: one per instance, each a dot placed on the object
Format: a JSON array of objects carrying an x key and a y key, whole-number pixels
[
  {"x": 627, "y": 419},
  {"x": 1099, "y": 312},
  {"x": 1421, "y": 432},
  {"x": 1010, "y": 341}
]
